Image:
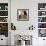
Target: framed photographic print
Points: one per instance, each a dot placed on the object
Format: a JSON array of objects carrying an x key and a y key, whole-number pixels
[
  {"x": 13, "y": 27},
  {"x": 3, "y": 19},
  {"x": 23, "y": 14},
  {"x": 4, "y": 29},
  {"x": 42, "y": 32}
]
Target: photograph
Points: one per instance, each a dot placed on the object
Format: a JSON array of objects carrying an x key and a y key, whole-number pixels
[
  {"x": 41, "y": 19},
  {"x": 4, "y": 29},
  {"x": 22, "y": 14},
  {"x": 13, "y": 27},
  {"x": 42, "y": 32},
  {"x": 3, "y": 6},
  {"x": 41, "y": 13},
  {"x": 3, "y": 19},
  {"x": 3, "y": 13},
  {"x": 41, "y": 6},
  {"x": 41, "y": 25}
]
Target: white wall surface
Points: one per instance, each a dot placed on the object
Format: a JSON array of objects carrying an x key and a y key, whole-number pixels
[
  {"x": 32, "y": 5},
  {"x": 24, "y": 25},
  {"x": 3, "y": 1}
]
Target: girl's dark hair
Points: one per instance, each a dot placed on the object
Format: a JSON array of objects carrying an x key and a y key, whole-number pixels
[{"x": 25, "y": 13}]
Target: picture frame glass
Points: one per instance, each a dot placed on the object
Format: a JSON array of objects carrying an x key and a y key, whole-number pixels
[{"x": 22, "y": 14}]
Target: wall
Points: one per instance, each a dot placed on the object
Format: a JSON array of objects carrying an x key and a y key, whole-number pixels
[
  {"x": 3, "y": 1},
  {"x": 24, "y": 25},
  {"x": 32, "y": 5},
  {"x": 33, "y": 12}
]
